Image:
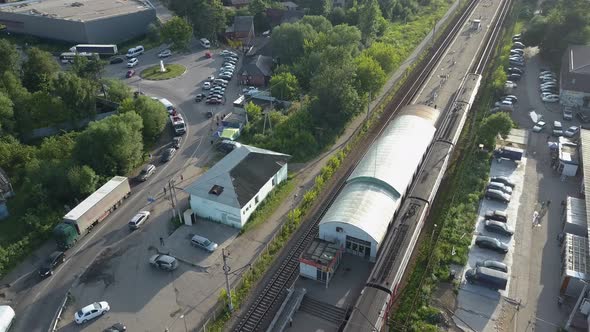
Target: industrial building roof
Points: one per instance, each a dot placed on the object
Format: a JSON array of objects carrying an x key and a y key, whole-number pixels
[
  {"x": 393, "y": 159},
  {"x": 259, "y": 65},
  {"x": 575, "y": 251},
  {"x": 76, "y": 10},
  {"x": 585, "y": 152},
  {"x": 238, "y": 177},
  {"x": 575, "y": 69},
  {"x": 575, "y": 217},
  {"x": 568, "y": 151},
  {"x": 321, "y": 252}
]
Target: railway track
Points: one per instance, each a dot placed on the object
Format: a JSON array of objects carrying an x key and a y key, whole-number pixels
[
  {"x": 262, "y": 308},
  {"x": 490, "y": 47}
]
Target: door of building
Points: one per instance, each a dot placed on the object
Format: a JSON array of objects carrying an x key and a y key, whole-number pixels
[{"x": 358, "y": 247}]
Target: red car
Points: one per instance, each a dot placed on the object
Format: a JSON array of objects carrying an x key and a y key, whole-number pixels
[{"x": 130, "y": 73}]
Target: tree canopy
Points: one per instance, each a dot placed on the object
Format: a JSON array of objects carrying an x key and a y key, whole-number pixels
[
  {"x": 38, "y": 69},
  {"x": 178, "y": 32}
]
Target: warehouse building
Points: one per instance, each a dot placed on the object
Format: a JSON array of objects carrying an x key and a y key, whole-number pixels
[
  {"x": 231, "y": 190},
  {"x": 359, "y": 217},
  {"x": 575, "y": 77},
  {"x": 79, "y": 21}
]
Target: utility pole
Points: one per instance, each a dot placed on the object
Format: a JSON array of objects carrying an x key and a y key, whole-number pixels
[{"x": 226, "y": 270}]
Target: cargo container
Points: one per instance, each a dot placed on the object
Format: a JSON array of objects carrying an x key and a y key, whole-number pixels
[{"x": 91, "y": 211}]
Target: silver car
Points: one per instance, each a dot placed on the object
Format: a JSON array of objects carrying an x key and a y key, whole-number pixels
[
  {"x": 164, "y": 262},
  {"x": 500, "y": 186}
]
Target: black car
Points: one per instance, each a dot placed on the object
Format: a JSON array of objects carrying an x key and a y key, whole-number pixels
[
  {"x": 215, "y": 95},
  {"x": 492, "y": 243},
  {"x": 504, "y": 180},
  {"x": 168, "y": 154},
  {"x": 53, "y": 261},
  {"x": 117, "y": 327},
  {"x": 514, "y": 77},
  {"x": 496, "y": 215},
  {"x": 199, "y": 97},
  {"x": 116, "y": 60},
  {"x": 497, "y": 195},
  {"x": 176, "y": 142},
  {"x": 498, "y": 227}
]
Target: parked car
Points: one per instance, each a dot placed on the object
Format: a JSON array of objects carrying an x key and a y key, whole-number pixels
[
  {"x": 53, "y": 261},
  {"x": 545, "y": 72},
  {"x": 199, "y": 97},
  {"x": 517, "y": 44},
  {"x": 517, "y": 37},
  {"x": 168, "y": 154},
  {"x": 225, "y": 76},
  {"x": 497, "y": 195},
  {"x": 557, "y": 128},
  {"x": 514, "y": 77},
  {"x": 492, "y": 264},
  {"x": 176, "y": 142},
  {"x": 500, "y": 186},
  {"x": 164, "y": 262},
  {"x": 215, "y": 95},
  {"x": 551, "y": 99},
  {"x": 138, "y": 219},
  {"x": 539, "y": 126},
  {"x": 492, "y": 243},
  {"x": 491, "y": 278},
  {"x": 165, "y": 53},
  {"x": 91, "y": 311},
  {"x": 130, "y": 73},
  {"x": 132, "y": 62},
  {"x": 510, "y": 85},
  {"x": 227, "y": 146},
  {"x": 116, "y": 60},
  {"x": 512, "y": 98},
  {"x": 147, "y": 171},
  {"x": 498, "y": 227},
  {"x": 516, "y": 70},
  {"x": 203, "y": 243},
  {"x": 497, "y": 215},
  {"x": 117, "y": 327},
  {"x": 571, "y": 132},
  {"x": 213, "y": 101},
  {"x": 568, "y": 114},
  {"x": 218, "y": 89},
  {"x": 504, "y": 180},
  {"x": 206, "y": 86}
]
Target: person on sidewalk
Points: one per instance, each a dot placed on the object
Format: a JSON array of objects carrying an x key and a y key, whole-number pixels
[
  {"x": 161, "y": 241},
  {"x": 535, "y": 218}
]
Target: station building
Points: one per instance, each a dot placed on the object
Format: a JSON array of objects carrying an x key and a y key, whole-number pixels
[
  {"x": 231, "y": 190},
  {"x": 358, "y": 219},
  {"x": 79, "y": 21}
]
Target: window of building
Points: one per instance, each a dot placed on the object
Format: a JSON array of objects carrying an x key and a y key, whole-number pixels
[
  {"x": 216, "y": 190},
  {"x": 256, "y": 199},
  {"x": 274, "y": 181}
]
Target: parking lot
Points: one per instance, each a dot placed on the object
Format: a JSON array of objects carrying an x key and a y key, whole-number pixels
[{"x": 534, "y": 257}]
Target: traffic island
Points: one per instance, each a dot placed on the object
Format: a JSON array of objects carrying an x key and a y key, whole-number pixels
[{"x": 156, "y": 74}]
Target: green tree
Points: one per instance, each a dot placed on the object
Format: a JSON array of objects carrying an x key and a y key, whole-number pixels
[
  {"x": 284, "y": 86},
  {"x": 38, "y": 69},
  {"x": 369, "y": 18},
  {"x": 117, "y": 91},
  {"x": 498, "y": 79},
  {"x": 112, "y": 146},
  {"x": 14, "y": 156},
  {"x": 492, "y": 126},
  {"x": 257, "y": 7},
  {"x": 369, "y": 75},
  {"x": 345, "y": 36},
  {"x": 77, "y": 94},
  {"x": 288, "y": 41},
  {"x": 82, "y": 180},
  {"x": 42, "y": 110},
  {"x": 6, "y": 115},
  {"x": 57, "y": 147},
  {"x": 318, "y": 23},
  {"x": 9, "y": 56},
  {"x": 254, "y": 112},
  {"x": 177, "y": 32},
  {"x": 337, "y": 16},
  {"x": 88, "y": 69},
  {"x": 153, "y": 115},
  {"x": 385, "y": 54}
]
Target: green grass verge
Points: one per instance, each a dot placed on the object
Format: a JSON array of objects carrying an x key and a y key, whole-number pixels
[
  {"x": 172, "y": 70},
  {"x": 270, "y": 204}
]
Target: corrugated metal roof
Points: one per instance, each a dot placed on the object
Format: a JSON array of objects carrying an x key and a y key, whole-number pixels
[
  {"x": 364, "y": 205},
  {"x": 220, "y": 175},
  {"x": 393, "y": 158},
  {"x": 575, "y": 250},
  {"x": 585, "y": 152},
  {"x": 576, "y": 211},
  {"x": 94, "y": 198}
]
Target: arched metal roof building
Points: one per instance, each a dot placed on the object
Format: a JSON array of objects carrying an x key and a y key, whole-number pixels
[{"x": 359, "y": 217}]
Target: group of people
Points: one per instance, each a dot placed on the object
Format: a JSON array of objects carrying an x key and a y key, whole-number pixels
[{"x": 538, "y": 215}]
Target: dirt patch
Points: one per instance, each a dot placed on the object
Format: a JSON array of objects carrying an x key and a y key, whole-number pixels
[
  {"x": 99, "y": 269},
  {"x": 445, "y": 299}
]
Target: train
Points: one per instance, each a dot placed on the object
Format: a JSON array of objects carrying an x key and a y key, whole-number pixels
[{"x": 372, "y": 309}]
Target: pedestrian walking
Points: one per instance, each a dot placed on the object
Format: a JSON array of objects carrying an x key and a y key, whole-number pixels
[
  {"x": 164, "y": 190},
  {"x": 548, "y": 203},
  {"x": 535, "y": 218},
  {"x": 161, "y": 241},
  {"x": 211, "y": 142},
  {"x": 563, "y": 206},
  {"x": 548, "y": 137},
  {"x": 181, "y": 177}
]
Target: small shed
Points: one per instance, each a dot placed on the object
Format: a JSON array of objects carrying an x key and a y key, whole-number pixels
[
  {"x": 568, "y": 157},
  {"x": 574, "y": 218},
  {"x": 575, "y": 265},
  {"x": 320, "y": 260}
]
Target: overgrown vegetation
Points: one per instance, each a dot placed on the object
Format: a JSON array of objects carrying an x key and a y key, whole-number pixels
[
  {"x": 455, "y": 213},
  {"x": 56, "y": 173},
  {"x": 172, "y": 70}
]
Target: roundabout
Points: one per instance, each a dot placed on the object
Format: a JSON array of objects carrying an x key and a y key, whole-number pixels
[{"x": 155, "y": 74}]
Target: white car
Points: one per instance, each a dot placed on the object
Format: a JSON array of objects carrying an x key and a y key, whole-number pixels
[
  {"x": 550, "y": 98},
  {"x": 206, "y": 85},
  {"x": 571, "y": 131},
  {"x": 510, "y": 85},
  {"x": 165, "y": 54},
  {"x": 139, "y": 219},
  {"x": 539, "y": 126},
  {"x": 132, "y": 62},
  {"x": 91, "y": 311}
]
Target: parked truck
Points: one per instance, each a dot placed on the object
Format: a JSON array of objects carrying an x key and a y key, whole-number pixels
[
  {"x": 508, "y": 153},
  {"x": 91, "y": 211},
  {"x": 178, "y": 124}
]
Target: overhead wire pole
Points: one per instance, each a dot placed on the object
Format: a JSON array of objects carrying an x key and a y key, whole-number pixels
[{"x": 226, "y": 270}]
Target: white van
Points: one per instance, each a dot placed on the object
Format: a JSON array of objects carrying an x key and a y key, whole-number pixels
[
  {"x": 205, "y": 42},
  {"x": 6, "y": 317},
  {"x": 135, "y": 51},
  {"x": 203, "y": 243},
  {"x": 169, "y": 106}
]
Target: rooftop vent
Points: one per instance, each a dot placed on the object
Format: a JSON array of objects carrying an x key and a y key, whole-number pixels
[{"x": 216, "y": 190}]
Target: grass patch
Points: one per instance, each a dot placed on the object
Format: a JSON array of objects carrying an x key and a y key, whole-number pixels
[
  {"x": 172, "y": 70},
  {"x": 270, "y": 204}
]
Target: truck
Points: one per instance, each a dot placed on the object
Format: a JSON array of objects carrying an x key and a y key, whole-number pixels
[
  {"x": 508, "y": 153},
  {"x": 101, "y": 49},
  {"x": 94, "y": 209},
  {"x": 178, "y": 125},
  {"x": 487, "y": 277}
]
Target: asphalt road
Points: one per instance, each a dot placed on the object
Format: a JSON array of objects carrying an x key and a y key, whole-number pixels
[{"x": 36, "y": 302}]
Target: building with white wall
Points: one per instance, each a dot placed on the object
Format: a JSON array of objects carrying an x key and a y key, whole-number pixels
[
  {"x": 574, "y": 77},
  {"x": 231, "y": 190},
  {"x": 359, "y": 217}
]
